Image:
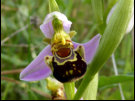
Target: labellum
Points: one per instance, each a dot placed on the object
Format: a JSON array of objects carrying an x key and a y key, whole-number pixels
[{"x": 67, "y": 64}]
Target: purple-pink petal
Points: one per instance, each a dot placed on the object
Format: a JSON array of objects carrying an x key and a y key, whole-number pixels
[
  {"x": 37, "y": 69},
  {"x": 90, "y": 47},
  {"x": 67, "y": 25},
  {"x": 48, "y": 31}
]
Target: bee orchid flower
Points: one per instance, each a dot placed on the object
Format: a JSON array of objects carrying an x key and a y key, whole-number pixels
[{"x": 65, "y": 58}]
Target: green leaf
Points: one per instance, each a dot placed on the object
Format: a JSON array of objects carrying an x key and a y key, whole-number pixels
[
  {"x": 111, "y": 38},
  {"x": 106, "y": 81},
  {"x": 53, "y": 6},
  {"x": 111, "y": 3},
  {"x": 97, "y": 6},
  {"x": 91, "y": 91}
]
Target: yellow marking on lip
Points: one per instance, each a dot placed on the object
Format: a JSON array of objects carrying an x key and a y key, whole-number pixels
[
  {"x": 79, "y": 71},
  {"x": 71, "y": 71},
  {"x": 73, "y": 65},
  {"x": 66, "y": 72},
  {"x": 70, "y": 60}
]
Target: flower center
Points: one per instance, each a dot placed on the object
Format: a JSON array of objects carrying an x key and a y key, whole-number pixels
[{"x": 63, "y": 52}]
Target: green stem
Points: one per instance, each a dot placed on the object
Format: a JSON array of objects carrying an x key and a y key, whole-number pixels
[
  {"x": 70, "y": 90},
  {"x": 116, "y": 73}
]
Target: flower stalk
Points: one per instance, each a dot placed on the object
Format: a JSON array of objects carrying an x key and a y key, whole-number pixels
[
  {"x": 116, "y": 73},
  {"x": 111, "y": 38},
  {"x": 70, "y": 90}
]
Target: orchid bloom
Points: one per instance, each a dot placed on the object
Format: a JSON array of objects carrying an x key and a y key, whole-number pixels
[
  {"x": 131, "y": 22},
  {"x": 62, "y": 53}
]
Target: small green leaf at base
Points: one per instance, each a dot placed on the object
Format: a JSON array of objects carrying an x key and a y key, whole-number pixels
[{"x": 106, "y": 81}]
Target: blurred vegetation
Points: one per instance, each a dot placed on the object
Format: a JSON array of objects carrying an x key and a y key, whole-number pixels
[{"x": 22, "y": 40}]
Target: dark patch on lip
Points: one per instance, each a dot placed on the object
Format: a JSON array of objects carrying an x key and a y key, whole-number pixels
[
  {"x": 63, "y": 52},
  {"x": 60, "y": 60},
  {"x": 71, "y": 70}
]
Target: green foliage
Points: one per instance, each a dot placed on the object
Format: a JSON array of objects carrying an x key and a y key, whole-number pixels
[
  {"x": 106, "y": 81},
  {"x": 97, "y": 6},
  {"x": 111, "y": 38},
  {"x": 14, "y": 60}
]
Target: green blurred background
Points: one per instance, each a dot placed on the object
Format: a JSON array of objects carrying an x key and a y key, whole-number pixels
[{"x": 22, "y": 40}]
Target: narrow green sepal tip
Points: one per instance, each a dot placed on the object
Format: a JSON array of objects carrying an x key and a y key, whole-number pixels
[{"x": 53, "y": 6}]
